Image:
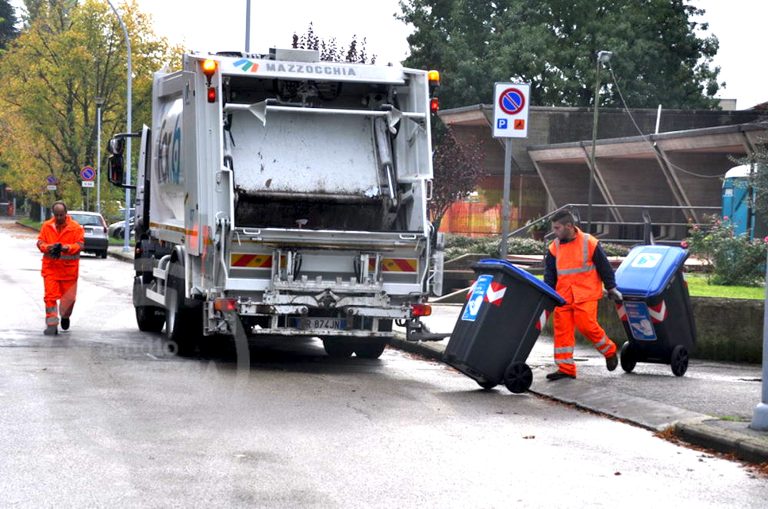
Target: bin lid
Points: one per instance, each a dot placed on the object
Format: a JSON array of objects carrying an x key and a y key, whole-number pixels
[
  {"x": 647, "y": 270},
  {"x": 519, "y": 274}
]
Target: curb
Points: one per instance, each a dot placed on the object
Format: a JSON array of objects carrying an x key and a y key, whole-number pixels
[{"x": 716, "y": 435}]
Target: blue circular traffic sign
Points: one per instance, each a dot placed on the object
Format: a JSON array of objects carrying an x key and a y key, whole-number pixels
[
  {"x": 512, "y": 101},
  {"x": 87, "y": 173}
]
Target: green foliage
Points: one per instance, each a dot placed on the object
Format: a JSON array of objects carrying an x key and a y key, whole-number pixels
[
  {"x": 458, "y": 167},
  {"x": 614, "y": 249},
  {"x": 8, "y": 30},
  {"x": 457, "y": 245},
  {"x": 731, "y": 259},
  {"x": 68, "y": 54},
  {"x": 330, "y": 51},
  {"x": 658, "y": 56}
]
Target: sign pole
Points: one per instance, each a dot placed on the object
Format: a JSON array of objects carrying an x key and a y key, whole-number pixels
[
  {"x": 510, "y": 120},
  {"x": 760, "y": 414},
  {"x": 505, "y": 197}
]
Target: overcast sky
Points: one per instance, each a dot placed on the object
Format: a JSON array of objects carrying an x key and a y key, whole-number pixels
[{"x": 208, "y": 25}]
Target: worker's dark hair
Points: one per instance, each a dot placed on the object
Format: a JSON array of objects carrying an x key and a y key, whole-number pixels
[
  {"x": 564, "y": 217},
  {"x": 59, "y": 202}
]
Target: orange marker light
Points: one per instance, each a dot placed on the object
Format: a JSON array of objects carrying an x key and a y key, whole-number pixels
[
  {"x": 434, "y": 78},
  {"x": 421, "y": 310},
  {"x": 209, "y": 67}
]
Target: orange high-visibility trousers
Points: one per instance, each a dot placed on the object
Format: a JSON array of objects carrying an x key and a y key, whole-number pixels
[
  {"x": 58, "y": 290},
  {"x": 581, "y": 316}
]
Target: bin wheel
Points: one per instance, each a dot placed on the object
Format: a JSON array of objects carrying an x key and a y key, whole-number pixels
[
  {"x": 679, "y": 360},
  {"x": 518, "y": 377},
  {"x": 487, "y": 385},
  {"x": 628, "y": 361}
]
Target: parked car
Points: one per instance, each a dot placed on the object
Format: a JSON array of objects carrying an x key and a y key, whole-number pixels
[
  {"x": 95, "y": 231},
  {"x": 116, "y": 229}
]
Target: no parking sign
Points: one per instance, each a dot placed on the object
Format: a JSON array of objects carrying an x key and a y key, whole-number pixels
[{"x": 510, "y": 112}]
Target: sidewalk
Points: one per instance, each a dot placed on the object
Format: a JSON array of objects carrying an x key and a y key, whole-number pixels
[{"x": 710, "y": 406}]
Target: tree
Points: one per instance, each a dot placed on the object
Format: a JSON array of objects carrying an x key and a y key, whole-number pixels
[
  {"x": 552, "y": 44},
  {"x": 457, "y": 168},
  {"x": 8, "y": 30},
  {"x": 330, "y": 51},
  {"x": 69, "y": 54}
]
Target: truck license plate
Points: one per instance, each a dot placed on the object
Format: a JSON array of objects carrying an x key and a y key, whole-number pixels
[{"x": 320, "y": 323}]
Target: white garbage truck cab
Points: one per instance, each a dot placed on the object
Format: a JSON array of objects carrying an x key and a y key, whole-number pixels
[{"x": 290, "y": 192}]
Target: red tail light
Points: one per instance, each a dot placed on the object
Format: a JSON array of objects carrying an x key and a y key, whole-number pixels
[
  {"x": 421, "y": 310},
  {"x": 211, "y": 95},
  {"x": 434, "y": 105}
]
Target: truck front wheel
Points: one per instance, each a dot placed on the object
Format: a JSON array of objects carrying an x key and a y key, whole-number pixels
[{"x": 183, "y": 325}]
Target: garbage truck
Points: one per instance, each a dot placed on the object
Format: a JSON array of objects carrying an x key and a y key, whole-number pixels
[{"x": 288, "y": 192}]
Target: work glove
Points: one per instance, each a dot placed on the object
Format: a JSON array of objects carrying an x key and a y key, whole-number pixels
[
  {"x": 615, "y": 295},
  {"x": 55, "y": 250}
]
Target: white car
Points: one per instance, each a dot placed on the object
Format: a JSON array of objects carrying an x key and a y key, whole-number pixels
[{"x": 95, "y": 227}]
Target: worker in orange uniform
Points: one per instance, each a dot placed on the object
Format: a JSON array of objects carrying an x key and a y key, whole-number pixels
[
  {"x": 577, "y": 268},
  {"x": 61, "y": 239}
]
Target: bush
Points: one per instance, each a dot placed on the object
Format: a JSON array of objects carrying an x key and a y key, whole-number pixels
[
  {"x": 730, "y": 259},
  {"x": 614, "y": 249},
  {"x": 457, "y": 245}
]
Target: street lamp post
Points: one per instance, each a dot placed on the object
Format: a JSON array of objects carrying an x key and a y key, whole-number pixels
[
  {"x": 127, "y": 233},
  {"x": 603, "y": 57},
  {"x": 99, "y": 103},
  {"x": 247, "y": 26}
]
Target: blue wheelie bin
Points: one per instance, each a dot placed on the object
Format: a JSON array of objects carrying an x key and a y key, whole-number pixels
[
  {"x": 656, "y": 311},
  {"x": 499, "y": 325}
]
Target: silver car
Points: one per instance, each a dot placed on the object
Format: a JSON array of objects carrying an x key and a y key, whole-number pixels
[{"x": 95, "y": 227}]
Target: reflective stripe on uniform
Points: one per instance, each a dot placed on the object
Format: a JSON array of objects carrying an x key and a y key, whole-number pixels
[
  {"x": 585, "y": 265},
  {"x": 565, "y": 361},
  {"x": 603, "y": 346},
  {"x": 51, "y": 309},
  {"x": 564, "y": 349},
  {"x": 52, "y": 320}
]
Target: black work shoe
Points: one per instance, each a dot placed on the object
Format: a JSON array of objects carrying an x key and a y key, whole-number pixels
[
  {"x": 51, "y": 330},
  {"x": 65, "y": 325},
  {"x": 610, "y": 362},
  {"x": 557, "y": 375}
]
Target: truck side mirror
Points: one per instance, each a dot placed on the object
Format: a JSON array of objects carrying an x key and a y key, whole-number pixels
[
  {"x": 116, "y": 146},
  {"x": 116, "y": 171}
]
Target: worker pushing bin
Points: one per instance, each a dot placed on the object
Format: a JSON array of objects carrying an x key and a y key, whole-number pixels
[
  {"x": 499, "y": 325},
  {"x": 656, "y": 310}
]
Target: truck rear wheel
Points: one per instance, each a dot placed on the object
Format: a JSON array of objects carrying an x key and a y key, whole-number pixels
[
  {"x": 150, "y": 318},
  {"x": 371, "y": 349},
  {"x": 338, "y": 348}
]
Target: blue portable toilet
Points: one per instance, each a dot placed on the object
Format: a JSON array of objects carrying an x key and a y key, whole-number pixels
[{"x": 738, "y": 199}]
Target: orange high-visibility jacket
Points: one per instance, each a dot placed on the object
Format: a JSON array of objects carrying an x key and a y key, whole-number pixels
[
  {"x": 577, "y": 277},
  {"x": 72, "y": 234}
]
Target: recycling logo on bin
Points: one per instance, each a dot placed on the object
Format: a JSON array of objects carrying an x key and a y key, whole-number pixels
[
  {"x": 640, "y": 321},
  {"x": 484, "y": 290}
]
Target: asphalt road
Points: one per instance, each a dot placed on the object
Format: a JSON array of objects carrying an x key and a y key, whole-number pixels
[{"x": 104, "y": 416}]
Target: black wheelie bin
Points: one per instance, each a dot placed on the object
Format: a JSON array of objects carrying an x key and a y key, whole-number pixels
[
  {"x": 499, "y": 325},
  {"x": 656, "y": 311}
]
